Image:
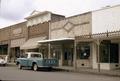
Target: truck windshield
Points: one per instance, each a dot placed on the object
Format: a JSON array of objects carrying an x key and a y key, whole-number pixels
[{"x": 36, "y": 55}]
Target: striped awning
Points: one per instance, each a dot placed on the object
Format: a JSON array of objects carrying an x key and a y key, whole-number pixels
[{"x": 32, "y": 43}]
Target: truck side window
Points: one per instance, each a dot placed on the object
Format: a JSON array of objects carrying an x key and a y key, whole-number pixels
[{"x": 36, "y": 55}]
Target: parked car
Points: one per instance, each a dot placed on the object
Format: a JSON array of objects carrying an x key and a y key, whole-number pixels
[
  {"x": 3, "y": 61},
  {"x": 35, "y": 60}
]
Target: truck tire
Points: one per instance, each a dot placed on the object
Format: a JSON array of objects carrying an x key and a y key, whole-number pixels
[
  {"x": 35, "y": 67},
  {"x": 19, "y": 66}
]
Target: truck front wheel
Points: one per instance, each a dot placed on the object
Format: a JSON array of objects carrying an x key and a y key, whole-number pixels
[
  {"x": 35, "y": 67},
  {"x": 19, "y": 66}
]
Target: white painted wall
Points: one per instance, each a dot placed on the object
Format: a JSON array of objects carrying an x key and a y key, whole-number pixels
[
  {"x": 39, "y": 19},
  {"x": 106, "y": 19}
]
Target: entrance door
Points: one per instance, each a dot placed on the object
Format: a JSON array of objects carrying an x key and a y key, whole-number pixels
[
  {"x": 114, "y": 53},
  {"x": 68, "y": 57}
]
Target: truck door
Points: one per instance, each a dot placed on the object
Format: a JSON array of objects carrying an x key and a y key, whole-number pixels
[{"x": 24, "y": 60}]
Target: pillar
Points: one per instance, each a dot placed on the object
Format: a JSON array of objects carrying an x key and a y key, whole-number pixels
[
  {"x": 49, "y": 50},
  {"x": 98, "y": 54},
  {"x": 75, "y": 56}
]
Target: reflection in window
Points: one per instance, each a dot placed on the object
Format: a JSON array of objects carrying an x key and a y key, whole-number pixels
[
  {"x": 83, "y": 51},
  {"x": 56, "y": 54}
]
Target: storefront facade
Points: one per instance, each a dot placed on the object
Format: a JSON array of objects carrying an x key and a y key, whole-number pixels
[
  {"x": 17, "y": 38},
  {"x": 62, "y": 34},
  {"x": 105, "y": 47},
  {"x": 4, "y": 41},
  {"x": 38, "y": 24}
]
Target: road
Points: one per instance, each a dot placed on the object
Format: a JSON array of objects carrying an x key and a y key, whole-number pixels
[{"x": 14, "y": 74}]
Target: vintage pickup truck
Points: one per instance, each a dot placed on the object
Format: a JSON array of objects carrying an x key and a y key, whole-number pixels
[{"x": 35, "y": 60}]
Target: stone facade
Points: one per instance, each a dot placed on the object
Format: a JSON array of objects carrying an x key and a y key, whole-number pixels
[
  {"x": 18, "y": 31},
  {"x": 72, "y": 26}
]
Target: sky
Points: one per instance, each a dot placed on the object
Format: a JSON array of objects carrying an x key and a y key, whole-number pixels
[{"x": 14, "y": 11}]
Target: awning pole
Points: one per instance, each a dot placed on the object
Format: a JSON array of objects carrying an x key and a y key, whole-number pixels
[
  {"x": 98, "y": 52},
  {"x": 75, "y": 56},
  {"x": 49, "y": 50}
]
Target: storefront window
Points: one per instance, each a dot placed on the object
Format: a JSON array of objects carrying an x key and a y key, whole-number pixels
[
  {"x": 109, "y": 53},
  {"x": 3, "y": 49},
  {"x": 56, "y": 54},
  {"x": 83, "y": 51},
  {"x": 104, "y": 53},
  {"x": 0, "y": 50}
]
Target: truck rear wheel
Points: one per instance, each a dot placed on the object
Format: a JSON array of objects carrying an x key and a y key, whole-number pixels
[{"x": 35, "y": 67}]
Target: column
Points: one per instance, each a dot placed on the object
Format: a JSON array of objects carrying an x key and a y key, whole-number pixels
[
  {"x": 49, "y": 50},
  {"x": 98, "y": 54},
  {"x": 75, "y": 56}
]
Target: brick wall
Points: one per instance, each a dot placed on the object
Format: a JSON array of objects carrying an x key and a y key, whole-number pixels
[
  {"x": 4, "y": 34},
  {"x": 41, "y": 29},
  {"x": 18, "y": 31}
]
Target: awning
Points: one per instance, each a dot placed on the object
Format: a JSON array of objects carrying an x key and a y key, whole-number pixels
[
  {"x": 32, "y": 43},
  {"x": 56, "y": 40}
]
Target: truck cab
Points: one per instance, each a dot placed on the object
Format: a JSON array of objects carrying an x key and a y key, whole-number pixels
[{"x": 35, "y": 60}]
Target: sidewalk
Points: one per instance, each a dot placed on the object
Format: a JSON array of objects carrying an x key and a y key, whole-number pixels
[
  {"x": 11, "y": 64},
  {"x": 115, "y": 73},
  {"x": 92, "y": 71}
]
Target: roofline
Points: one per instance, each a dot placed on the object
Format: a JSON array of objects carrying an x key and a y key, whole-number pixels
[
  {"x": 79, "y": 14},
  {"x": 40, "y": 13},
  {"x": 107, "y": 7},
  {"x": 89, "y": 12},
  {"x": 13, "y": 24}
]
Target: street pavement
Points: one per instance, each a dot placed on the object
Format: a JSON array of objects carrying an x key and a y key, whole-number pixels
[{"x": 14, "y": 74}]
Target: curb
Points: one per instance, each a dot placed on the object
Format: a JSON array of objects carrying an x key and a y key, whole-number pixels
[
  {"x": 11, "y": 64},
  {"x": 89, "y": 72}
]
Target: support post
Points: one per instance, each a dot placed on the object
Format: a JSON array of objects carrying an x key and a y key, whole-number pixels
[
  {"x": 8, "y": 53},
  {"x": 75, "y": 56},
  {"x": 98, "y": 54},
  {"x": 49, "y": 50}
]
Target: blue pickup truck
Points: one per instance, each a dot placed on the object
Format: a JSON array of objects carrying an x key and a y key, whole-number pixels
[{"x": 35, "y": 60}]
